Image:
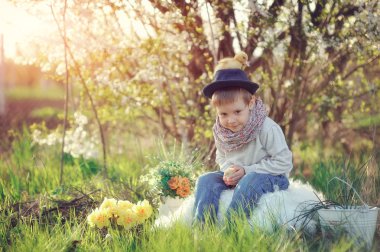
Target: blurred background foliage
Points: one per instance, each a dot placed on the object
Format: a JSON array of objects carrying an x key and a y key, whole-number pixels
[{"x": 145, "y": 63}]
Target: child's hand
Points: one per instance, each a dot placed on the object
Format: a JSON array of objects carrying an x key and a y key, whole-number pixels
[{"x": 233, "y": 174}]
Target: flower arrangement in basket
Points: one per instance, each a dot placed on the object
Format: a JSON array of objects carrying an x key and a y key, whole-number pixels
[
  {"x": 170, "y": 179},
  {"x": 119, "y": 212}
]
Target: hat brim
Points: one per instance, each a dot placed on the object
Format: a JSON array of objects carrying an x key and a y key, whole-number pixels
[{"x": 216, "y": 85}]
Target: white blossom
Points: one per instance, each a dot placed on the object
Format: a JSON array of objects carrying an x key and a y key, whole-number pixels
[
  {"x": 80, "y": 119},
  {"x": 78, "y": 141},
  {"x": 258, "y": 52},
  {"x": 288, "y": 83}
]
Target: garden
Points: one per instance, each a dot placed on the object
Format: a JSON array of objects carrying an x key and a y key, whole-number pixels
[{"x": 104, "y": 124}]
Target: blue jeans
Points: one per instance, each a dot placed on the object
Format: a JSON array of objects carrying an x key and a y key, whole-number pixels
[{"x": 246, "y": 194}]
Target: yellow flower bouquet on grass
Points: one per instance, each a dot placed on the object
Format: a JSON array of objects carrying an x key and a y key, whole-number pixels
[
  {"x": 170, "y": 179},
  {"x": 122, "y": 212}
]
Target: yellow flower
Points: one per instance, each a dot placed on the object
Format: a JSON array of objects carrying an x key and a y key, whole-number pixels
[
  {"x": 127, "y": 219},
  {"x": 99, "y": 218},
  {"x": 110, "y": 206},
  {"x": 108, "y": 203},
  {"x": 91, "y": 219},
  {"x": 123, "y": 205},
  {"x": 143, "y": 210}
]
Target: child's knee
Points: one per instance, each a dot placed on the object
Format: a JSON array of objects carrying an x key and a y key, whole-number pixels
[
  {"x": 257, "y": 183},
  {"x": 283, "y": 183},
  {"x": 253, "y": 178},
  {"x": 206, "y": 178}
]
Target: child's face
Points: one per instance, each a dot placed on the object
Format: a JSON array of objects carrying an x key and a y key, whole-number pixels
[{"x": 234, "y": 116}]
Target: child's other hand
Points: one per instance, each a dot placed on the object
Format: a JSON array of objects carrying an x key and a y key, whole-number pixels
[{"x": 233, "y": 174}]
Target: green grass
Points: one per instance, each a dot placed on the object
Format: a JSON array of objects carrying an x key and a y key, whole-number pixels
[
  {"x": 358, "y": 175},
  {"x": 46, "y": 112},
  {"x": 363, "y": 121},
  {"x": 30, "y": 235},
  {"x": 37, "y": 93},
  {"x": 31, "y": 173}
]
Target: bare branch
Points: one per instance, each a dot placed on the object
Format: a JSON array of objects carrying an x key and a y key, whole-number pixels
[
  {"x": 66, "y": 95},
  {"x": 87, "y": 91},
  {"x": 353, "y": 70}
]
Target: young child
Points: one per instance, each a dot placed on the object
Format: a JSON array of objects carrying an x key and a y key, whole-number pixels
[{"x": 251, "y": 149}]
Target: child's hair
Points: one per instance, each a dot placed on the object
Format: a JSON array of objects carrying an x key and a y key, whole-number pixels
[{"x": 230, "y": 95}]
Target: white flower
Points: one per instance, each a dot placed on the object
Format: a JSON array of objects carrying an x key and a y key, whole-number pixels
[
  {"x": 80, "y": 119},
  {"x": 36, "y": 135},
  {"x": 190, "y": 102},
  {"x": 51, "y": 139},
  {"x": 108, "y": 237},
  {"x": 330, "y": 28},
  {"x": 61, "y": 69},
  {"x": 288, "y": 83},
  {"x": 258, "y": 52}
]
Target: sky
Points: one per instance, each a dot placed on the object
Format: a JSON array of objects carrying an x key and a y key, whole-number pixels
[{"x": 19, "y": 27}]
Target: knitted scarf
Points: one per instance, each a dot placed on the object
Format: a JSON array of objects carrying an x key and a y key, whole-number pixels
[{"x": 228, "y": 140}]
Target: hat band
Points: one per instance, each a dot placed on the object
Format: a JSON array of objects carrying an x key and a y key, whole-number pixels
[{"x": 230, "y": 75}]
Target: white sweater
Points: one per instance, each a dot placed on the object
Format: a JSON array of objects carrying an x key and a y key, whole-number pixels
[{"x": 269, "y": 153}]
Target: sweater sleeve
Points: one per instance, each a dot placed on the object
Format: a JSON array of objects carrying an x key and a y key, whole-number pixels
[
  {"x": 221, "y": 160},
  {"x": 279, "y": 159}
]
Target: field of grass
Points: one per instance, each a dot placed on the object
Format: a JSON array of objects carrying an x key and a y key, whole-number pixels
[
  {"x": 53, "y": 92},
  {"x": 32, "y": 217}
]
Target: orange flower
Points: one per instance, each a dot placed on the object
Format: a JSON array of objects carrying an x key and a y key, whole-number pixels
[
  {"x": 174, "y": 182},
  {"x": 184, "y": 182},
  {"x": 183, "y": 191}
]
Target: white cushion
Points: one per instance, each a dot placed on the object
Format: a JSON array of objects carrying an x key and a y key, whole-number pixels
[{"x": 277, "y": 208}]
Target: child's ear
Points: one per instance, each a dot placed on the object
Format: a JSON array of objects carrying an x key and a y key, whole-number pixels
[{"x": 252, "y": 102}]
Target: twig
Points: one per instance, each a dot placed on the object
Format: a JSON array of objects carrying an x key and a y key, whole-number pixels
[
  {"x": 87, "y": 91},
  {"x": 68, "y": 204},
  {"x": 237, "y": 30},
  {"x": 76, "y": 199},
  {"x": 318, "y": 197},
  {"x": 18, "y": 205},
  {"x": 35, "y": 203},
  {"x": 360, "y": 66},
  {"x": 212, "y": 36},
  {"x": 66, "y": 95},
  {"x": 130, "y": 189}
]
